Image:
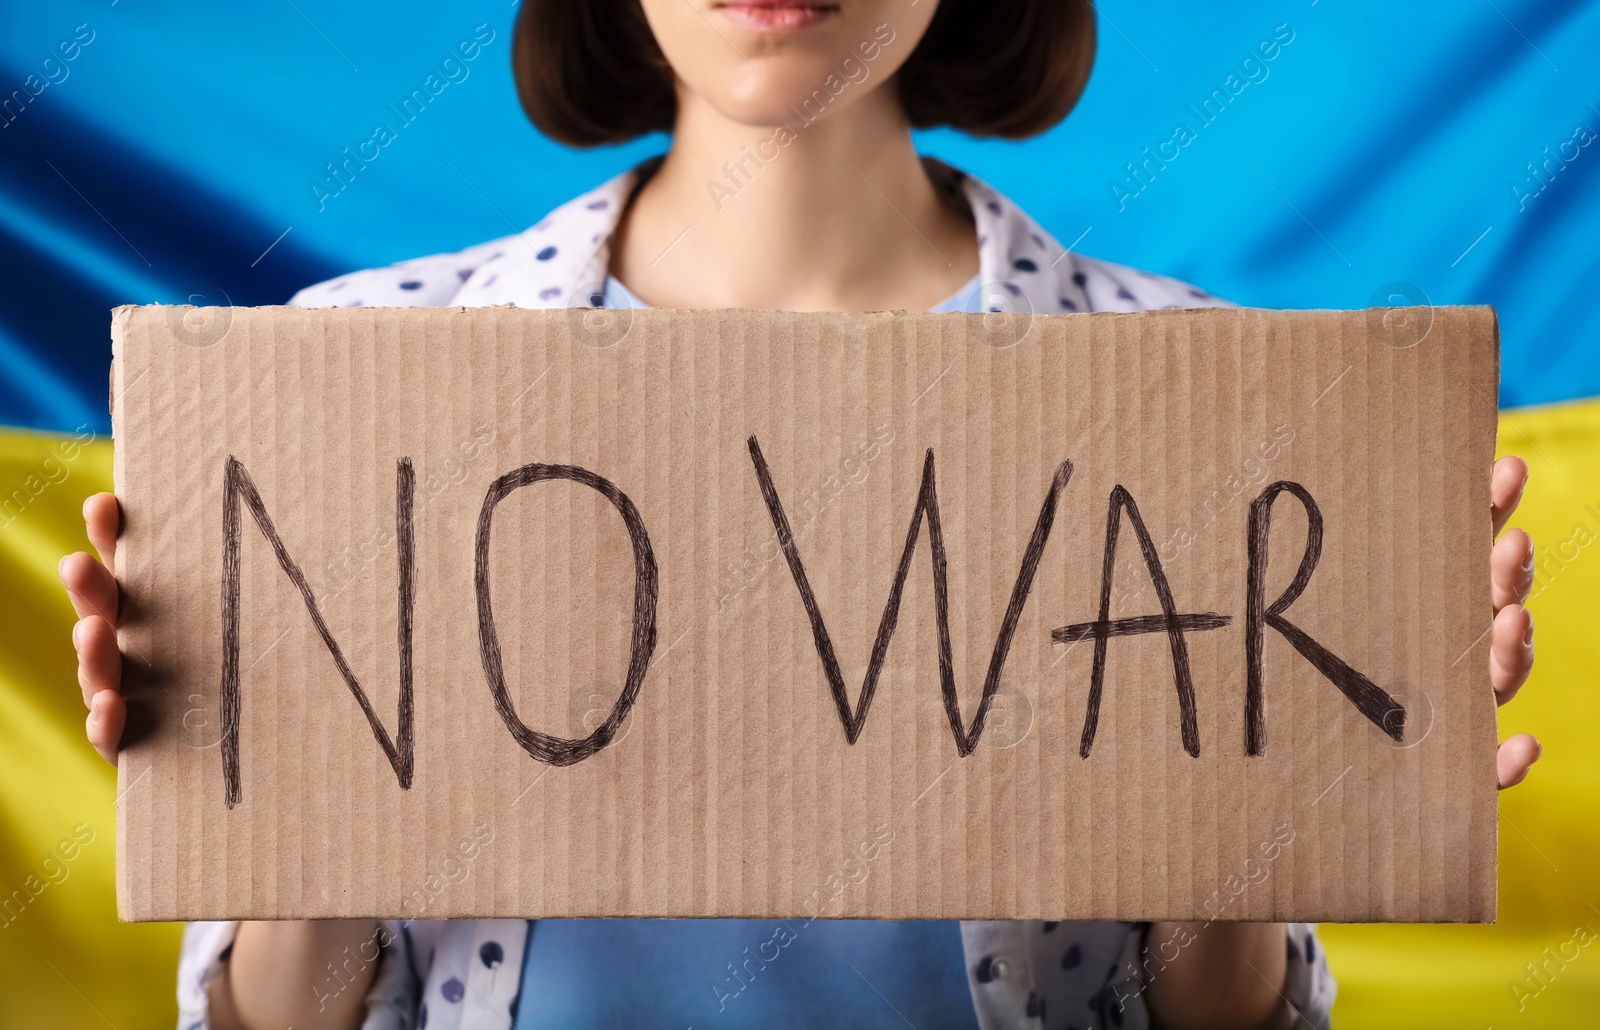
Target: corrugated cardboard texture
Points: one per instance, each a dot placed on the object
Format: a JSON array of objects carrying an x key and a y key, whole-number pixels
[{"x": 590, "y": 503}]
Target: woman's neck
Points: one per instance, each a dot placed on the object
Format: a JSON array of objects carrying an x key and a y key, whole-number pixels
[{"x": 834, "y": 215}]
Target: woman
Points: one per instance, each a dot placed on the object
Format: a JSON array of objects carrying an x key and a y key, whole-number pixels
[{"x": 791, "y": 183}]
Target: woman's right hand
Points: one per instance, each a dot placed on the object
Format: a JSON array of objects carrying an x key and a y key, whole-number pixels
[{"x": 92, "y": 586}]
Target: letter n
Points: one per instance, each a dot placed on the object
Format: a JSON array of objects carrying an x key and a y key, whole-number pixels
[
  {"x": 1382, "y": 710},
  {"x": 237, "y": 486}
]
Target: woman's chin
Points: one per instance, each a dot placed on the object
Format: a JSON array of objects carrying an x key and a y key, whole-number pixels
[
  {"x": 769, "y": 97},
  {"x": 765, "y": 113}
]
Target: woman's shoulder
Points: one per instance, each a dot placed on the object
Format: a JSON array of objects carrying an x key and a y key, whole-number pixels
[
  {"x": 1025, "y": 260},
  {"x": 431, "y": 281},
  {"x": 1113, "y": 287},
  {"x": 545, "y": 265}
]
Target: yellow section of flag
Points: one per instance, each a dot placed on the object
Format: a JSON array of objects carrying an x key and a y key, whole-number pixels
[
  {"x": 66, "y": 961},
  {"x": 64, "y": 958}
]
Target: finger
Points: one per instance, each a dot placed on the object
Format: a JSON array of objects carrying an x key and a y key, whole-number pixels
[
  {"x": 1511, "y": 568},
  {"x": 99, "y": 660},
  {"x": 102, "y": 517},
  {"x": 1507, "y": 480},
  {"x": 1510, "y": 651},
  {"x": 90, "y": 586},
  {"x": 1515, "y": 757},
  {"x": 108, "y": 712}
]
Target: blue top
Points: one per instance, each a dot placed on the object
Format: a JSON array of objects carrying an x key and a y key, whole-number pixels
[{"x": 715, "y": 973}]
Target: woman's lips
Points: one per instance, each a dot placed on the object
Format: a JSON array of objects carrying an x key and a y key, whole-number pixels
[{"x": 775, "y": 15}]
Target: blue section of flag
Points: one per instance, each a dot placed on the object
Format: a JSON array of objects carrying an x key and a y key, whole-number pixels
[{"x": 1439, "y": 152}]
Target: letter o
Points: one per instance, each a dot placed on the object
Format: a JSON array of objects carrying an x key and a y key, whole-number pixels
[{"x": 542, "y": 746}]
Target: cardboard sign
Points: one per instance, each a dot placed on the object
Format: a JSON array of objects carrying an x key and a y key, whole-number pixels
[{"x": 445, "y": 613}]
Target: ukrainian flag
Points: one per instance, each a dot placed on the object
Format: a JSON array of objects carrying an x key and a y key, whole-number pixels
[{"x": 1440, "y": 153}]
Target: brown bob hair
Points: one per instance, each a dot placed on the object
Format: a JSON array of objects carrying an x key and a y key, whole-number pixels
[{"x": 590, "y": 72}]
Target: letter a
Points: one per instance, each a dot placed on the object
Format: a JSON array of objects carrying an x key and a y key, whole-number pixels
[{"x": 1104, "y": 628}]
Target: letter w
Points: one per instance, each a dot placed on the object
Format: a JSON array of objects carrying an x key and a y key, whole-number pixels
[
  {"x": 236, "y": 484},
  {"x": 927, "y": 505}
]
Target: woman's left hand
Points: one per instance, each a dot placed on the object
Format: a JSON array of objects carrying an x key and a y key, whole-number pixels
[{"x": 1511, "y": 643}]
